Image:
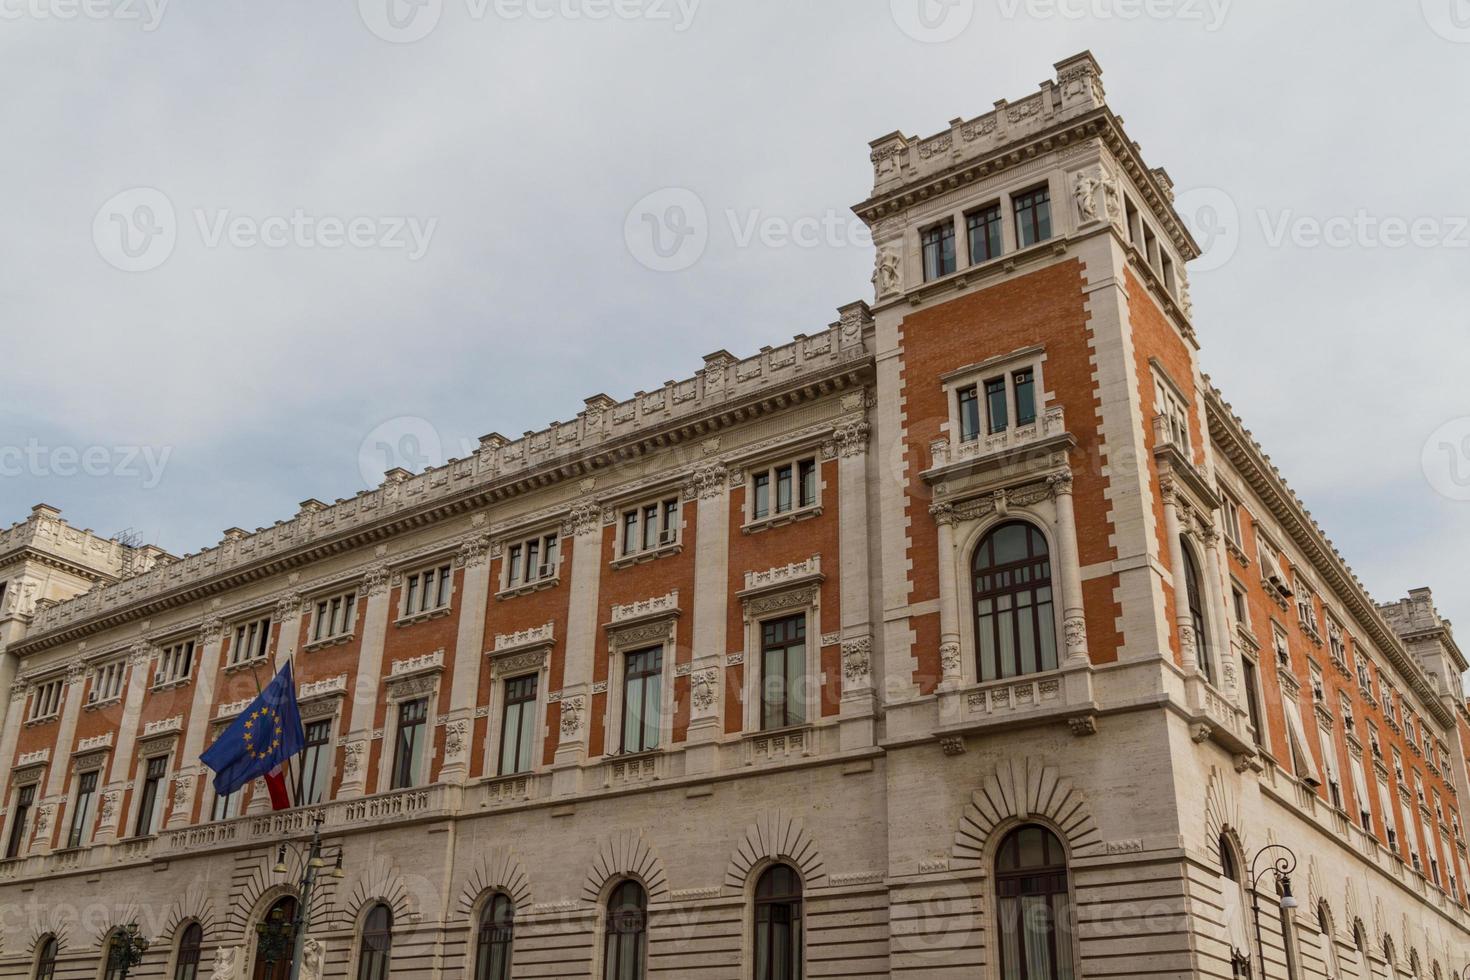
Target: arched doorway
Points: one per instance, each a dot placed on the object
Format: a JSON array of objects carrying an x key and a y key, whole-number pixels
[{"x": 275, "y": 941}]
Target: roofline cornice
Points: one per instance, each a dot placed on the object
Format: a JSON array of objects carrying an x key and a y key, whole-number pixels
[{"x": 840, "y": 376}]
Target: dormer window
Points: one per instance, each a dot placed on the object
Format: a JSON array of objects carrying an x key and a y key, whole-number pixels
[
  {"x": 1033, "y": 216},
  {"x": 938, "y": 248}
]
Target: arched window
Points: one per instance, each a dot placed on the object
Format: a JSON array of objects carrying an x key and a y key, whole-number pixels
[
  {"x": 627, "y": 933},
  {"x": 377, "y": 944},
  {"x": 46, "y": 959},
  {"x": 778, "y": 939},
  {"x": 1360, "y": 941},
  {"x": 1232, "y": 899},
  {"x": 1329, "y": 938},
  {"x": 1015, "y": 632},
  {"x": 1414, "y": 963},
  {"x": 186, "y": 962},
  {"x": 113, "y": 955},
  {"x": 1033, "y": 908},
  {"x": 1197, "y": 612},
  {"x": 497, "y": 926},
  {"x": 275, "y": 933}
]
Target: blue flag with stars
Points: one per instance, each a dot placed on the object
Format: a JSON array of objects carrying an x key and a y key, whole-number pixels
[{"x": 262, "y": 738}]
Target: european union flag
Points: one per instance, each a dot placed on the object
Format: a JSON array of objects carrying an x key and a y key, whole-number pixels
[{"x": 259, "y": 741}]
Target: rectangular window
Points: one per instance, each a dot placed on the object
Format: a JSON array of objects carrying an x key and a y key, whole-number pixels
[
  {"x": 408, "y": 752},
  {"x": 251, "y": 641},
  {"x": 335, "y": 617},
  {"x": 783, "y": 672},
  {"x": 1033, "y": 217},
  {"x": 1175, "y": 413},
  {"x": 81, "y": 815},
  {"x": 316, "y": 759},
  {"x": 516, "y": 725},
  {"x": 995, "y": 404},
  {"x": 225, "y": 807},
  {"x": 984, "y": 226},
  {"x": 806, "y": 472},
  {"x": 1230, "y": 514},
  {"x": 1282, "y": 648},
  {"x": 175, "y": 664},
  {"x": 148, "y": 808},
  {"x": 46, "y": 701},
  {"x": 528, "y": 562},
  {"x": 1253, "y": 699},
  {"x": 25, "y": 798},
  {"x": 651, "y": 526},
  {"x": 107, "y": 682},
  {"x": 642, "y": 699},
  {"x": 1304, "y": 764},
  {"x": 783, "y": 489},
  {"x": 938, "y": 250},
  {"x": 427, "y": 590},
  {"x": 1360, "y": 793},
  {"x": 969, "y": 405},
  {"x": 1238, "y": 603},
  {"x": 1024, "y": 384}
]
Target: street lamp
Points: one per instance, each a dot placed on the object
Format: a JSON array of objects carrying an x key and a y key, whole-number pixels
[
  {"x": 1283, "y": 865},
  {"x": 278, "y": 938},
  {"x": 126, "y": 950}
]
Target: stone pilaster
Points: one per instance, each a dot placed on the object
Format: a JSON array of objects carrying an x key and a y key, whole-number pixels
[
  {"x": 949, "y": 602},
  {"x": 1074, "y": 621},
  {"x": 188, "y": 769},
  {"x": 1183, "y": 621},
  {"x": 585, "y": 529},
  {"x": 359, "y": 717},
  {"x": 711, "y": 489},
  {"x": 119, "y": 773},
  {"x": 469, "y": 645},
  {"x": 860, "y": 671}
]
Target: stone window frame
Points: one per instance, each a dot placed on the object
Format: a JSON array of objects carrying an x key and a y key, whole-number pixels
[
  {"x": 40, "y": 686},
  {"x": 168, "y": 654},
  {"x": 508, "y": 664},
  {"x": 327, "y": 706},
  {"x": 232, "y": 661},
  {"x": 425, "y": 683},
  {"x": 94, "y": 761},
  {"x": 619, "y": 511},
  {"x": 1173, "y": 403},
  {"x": 976, "y": 375},
  {"x": 32, "y": 774},
  {"x": 1003, "y": 192},
  {"x": 165, "y": 746},
  {"x": 440, "y": 564},
  {"x": 808, "y": 450},
  {"x": 538, "y": 532},
  {"x": 344, "y": 593},
  {"x": 109, "y": 669},
  {"x": 969, "y": 533},
  {"x": 991, "y": 900},
  {"x": 658, "y": 630},
  {"x": 761, "y": 605}
]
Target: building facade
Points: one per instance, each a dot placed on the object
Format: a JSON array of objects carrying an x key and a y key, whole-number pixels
[{"x": 970, "y": 636}]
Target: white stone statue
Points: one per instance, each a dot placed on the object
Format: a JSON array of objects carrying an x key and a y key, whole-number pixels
[
  {"x": 1085, "y": 187},
  {"x": 313, "y": 959},
  {"x": 886, "y": 279},
  {"x": 226, "y": 963}
]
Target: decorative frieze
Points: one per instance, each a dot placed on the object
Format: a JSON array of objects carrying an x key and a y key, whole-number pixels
[
  {"x": 163, "y": 726},
  {"x": 772, "y": 578},
  {"x": 413, "y": 666},
  {"x": 535, "y": 636},
  {"x": 103, "y": 741},
  {"x": 665, "y": 605}
]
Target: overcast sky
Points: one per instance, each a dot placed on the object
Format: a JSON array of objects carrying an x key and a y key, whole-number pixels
[{"x": 187, "y": 298}]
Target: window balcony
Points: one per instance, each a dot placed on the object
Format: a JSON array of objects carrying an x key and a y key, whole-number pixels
[
  {"x": 999, "y": 450},
  {"x": 1056, "y": 695}
]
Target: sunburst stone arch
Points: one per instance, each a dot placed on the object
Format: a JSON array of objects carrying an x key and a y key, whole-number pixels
[
  {"x": 383, "y": 881},
  {"x": 775, "y": 837},
  {"x": 1222, "y": 818},
  {"x": 192, "y": 906},
  {"x": 494, "y": 871},
  {"x": 1018, "y": 792},
  {"x": 625, "y": 855}
]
